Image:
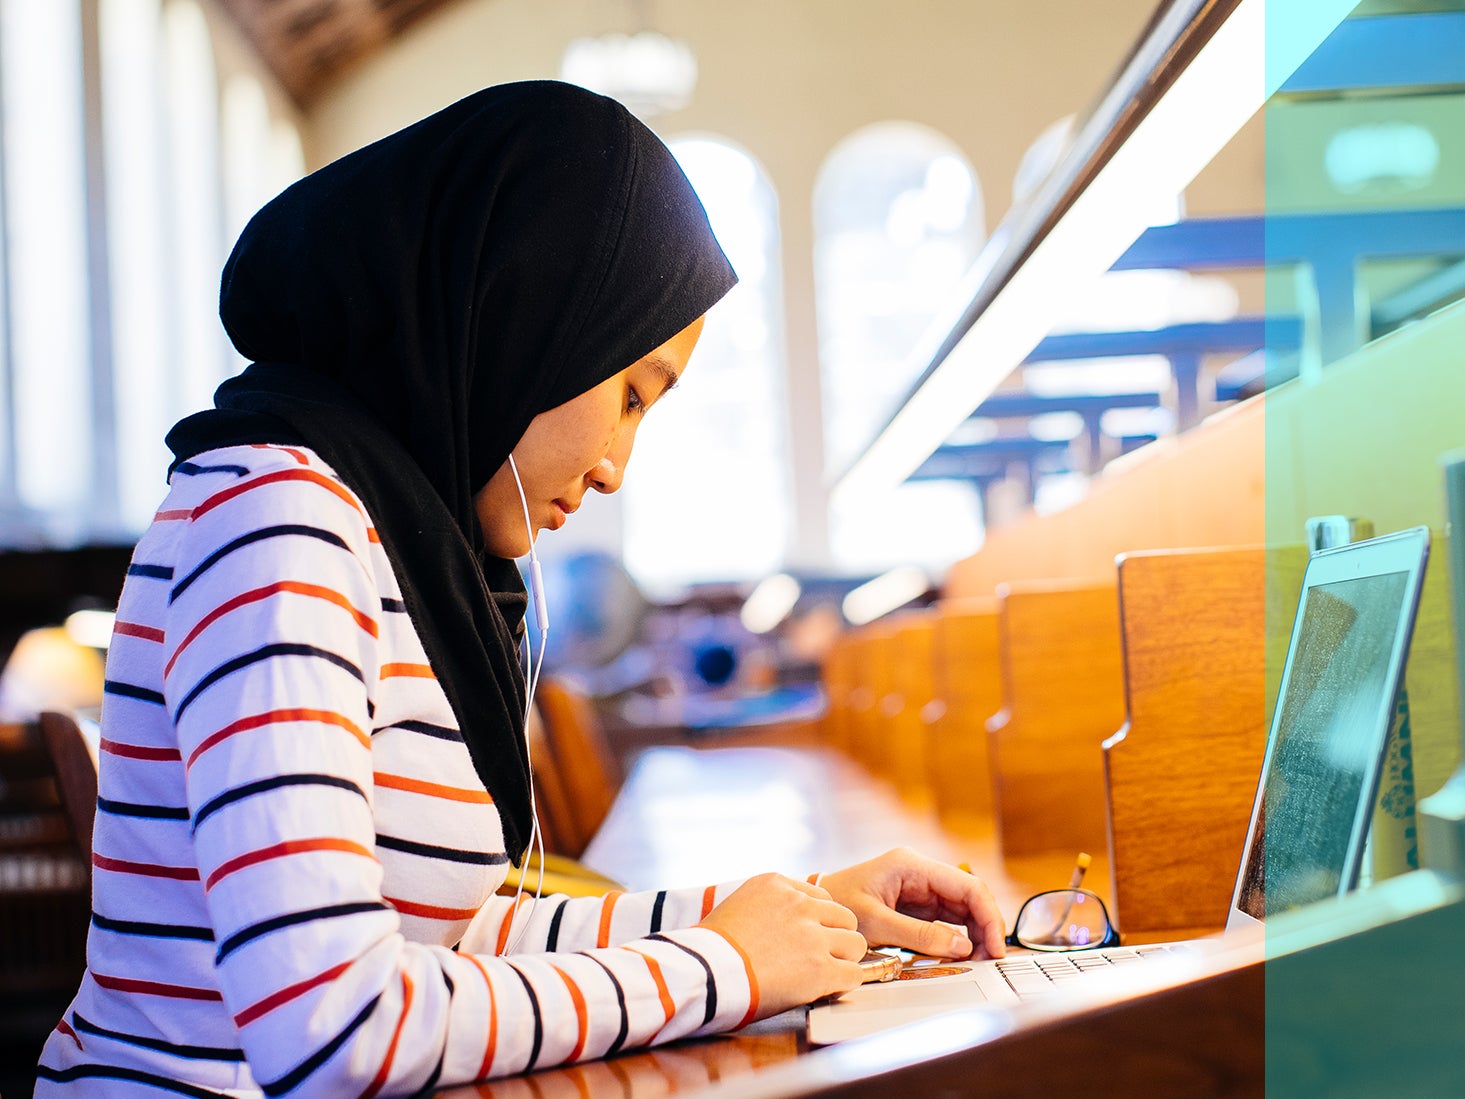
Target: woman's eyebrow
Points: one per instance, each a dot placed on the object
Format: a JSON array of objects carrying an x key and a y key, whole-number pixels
[{"x": 669, "y": 376}]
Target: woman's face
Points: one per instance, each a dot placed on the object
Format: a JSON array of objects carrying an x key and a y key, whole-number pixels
[{"x": 583, "y": 444}]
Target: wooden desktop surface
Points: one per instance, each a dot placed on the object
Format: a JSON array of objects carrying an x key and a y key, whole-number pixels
[{"x": 687, "y": 816}]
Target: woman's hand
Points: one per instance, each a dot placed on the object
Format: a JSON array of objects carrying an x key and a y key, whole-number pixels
[
  {"x": 800, "y": 943},
  {"x": 898, "y": 897}
]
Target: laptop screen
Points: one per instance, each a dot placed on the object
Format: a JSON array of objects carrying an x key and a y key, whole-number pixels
[{"x": 1327, "y": 742}]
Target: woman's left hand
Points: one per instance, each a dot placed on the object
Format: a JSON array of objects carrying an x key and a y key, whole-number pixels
[{"x": 906, "y": 900}]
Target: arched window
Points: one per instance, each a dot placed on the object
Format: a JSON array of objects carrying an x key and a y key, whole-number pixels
[
  {"x": 898, "y": 221},
  {"x": 139, "y": 230},
  {"x": 191, "y": 95},
  {"x": 708, "y": 493},
  {"x": 47, "y": 466}
]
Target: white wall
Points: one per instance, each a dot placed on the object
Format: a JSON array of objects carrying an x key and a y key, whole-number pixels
[{"x": 786, "y": 80}]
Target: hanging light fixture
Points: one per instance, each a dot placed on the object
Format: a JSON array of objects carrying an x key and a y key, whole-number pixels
[{"x": 647, "y": 71}]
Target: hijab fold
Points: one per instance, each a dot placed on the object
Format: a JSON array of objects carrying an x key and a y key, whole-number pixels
[{"x": 411, "y": 307}]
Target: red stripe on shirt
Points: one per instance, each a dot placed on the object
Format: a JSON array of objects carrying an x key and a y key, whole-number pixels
[
  {"x": 271, "y": 717},
  {"x": 280, "y": 850},
  {"x": 133, "y": 629},
  {"x": 260, "y": 1008},
  {"x": 145, "y": 869},
  {"x": 429, "y": 911},
  {"x": 295, "y": 587},
  {"x": 709, "y": 901},
  {"x": 139, "y": 751},
  {"x": 309, "y": 475},
  {"x": 171, "y": 515},
  {"x": 156, "y": 988},
  {"x": 64, "y": 1027},
  {"x": 391, "y": 1054}
]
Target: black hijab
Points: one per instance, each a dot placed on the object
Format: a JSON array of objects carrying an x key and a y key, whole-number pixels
[{"x": 411, "y": 307}]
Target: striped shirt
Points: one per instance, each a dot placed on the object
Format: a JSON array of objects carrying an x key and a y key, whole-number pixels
[{"x": 295, "y": 862}]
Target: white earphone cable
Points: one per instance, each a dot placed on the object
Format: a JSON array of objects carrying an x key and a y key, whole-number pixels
[{"x": 532, "y": 672}]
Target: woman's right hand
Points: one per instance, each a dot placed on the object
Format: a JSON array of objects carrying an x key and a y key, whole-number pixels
[{"x": 801, "y": 944}]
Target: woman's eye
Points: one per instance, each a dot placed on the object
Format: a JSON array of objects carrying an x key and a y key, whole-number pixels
[{"x": 634, "y": 403}]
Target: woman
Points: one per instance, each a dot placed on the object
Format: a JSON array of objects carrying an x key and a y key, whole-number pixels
[{"x": 313, "y": 768}]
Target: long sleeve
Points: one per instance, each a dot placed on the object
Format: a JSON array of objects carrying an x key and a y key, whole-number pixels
[{"x": 328, "y": 840}]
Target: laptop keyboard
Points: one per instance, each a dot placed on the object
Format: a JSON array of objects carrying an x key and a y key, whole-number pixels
[{"x": 1040, "y": 974}]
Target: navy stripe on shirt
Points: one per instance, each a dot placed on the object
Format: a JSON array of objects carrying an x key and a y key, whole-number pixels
[
  {"x": 538, "y": 1019},
  {"x": 293, "y": 919},
  {"x": 249, "y": 789},
  {"x": 297, "y": 1075},
  {"x": 452, "y": 854},
  {"x": 152, "y": 572},
  {"x": 107, "y": 1072},
  {"x": 620, "y": 1039},
  {"x": 198, "y": 1053},
  {"x": 283, "y": 648},
  {"x": 189, "y": 469},
  {"x": 131, "y": 690},
  {"x": 711, "y": 980},
  {"x": 249, "y": 539},
  {"x": 132, "y": 809},
  {"x": 152, "y": 930}
]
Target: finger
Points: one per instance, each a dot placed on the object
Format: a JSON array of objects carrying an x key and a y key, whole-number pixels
[
  {"x": 939, "y": 940},
  {"x": 834, "y": 914},
  {"x": 812, "y": 890},
  {"x": 848, "y": 945},
  {"x": 958, "y": 891}
]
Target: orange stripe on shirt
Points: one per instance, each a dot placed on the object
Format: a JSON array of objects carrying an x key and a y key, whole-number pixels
[
  {"x": 709, "y": 901},
  {"x": 139, "y": 751},
  {"x": 493, "y": 1019},
  {"x": 602, "y": 939},
  {"x": 145, "y": 869},
  {"x": 432, "y": 789},
  {"x": 582, "y": 1015},
  {"x": 748, "y": 969},
  {"x": 263, "y": 1007},
  {"x": 391, "y": 1054},
  {"x": 308, "y": 475},
  {"x": 294, "y": 587},
  {"x": 298, "y": 455},
  {"x": 503, "y": 939},
  {"x": 134, "y": 629},
  {"x": 280, "y": 850},
  {"x": 271, "y": 717},
  {"x": 430, "y": 911},
  {"x": 416, "y": 671},
  {"x": 373, "y": 537},
  {"x": 668, "y": 1005}
]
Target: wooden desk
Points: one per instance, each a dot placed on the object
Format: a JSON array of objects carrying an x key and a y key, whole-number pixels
[{"x": 692, "y": 817}]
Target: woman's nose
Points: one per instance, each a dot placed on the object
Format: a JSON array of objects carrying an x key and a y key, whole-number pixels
[{"x": 606, "y": 475}]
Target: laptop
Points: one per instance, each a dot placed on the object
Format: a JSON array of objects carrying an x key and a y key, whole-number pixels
[{"x": 1314, "y": 801}]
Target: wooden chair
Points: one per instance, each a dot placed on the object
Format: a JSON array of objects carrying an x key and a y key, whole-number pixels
[
  {"x": 1063, "y": 696},
  {"x": 76, "y": 774},
  {"x": 910, "y": 693},
  {"x": 45, "y": 893},
  {"x": 1182, "y": 772},
  {"x": 583, "y": 764},
  {"x": 966, "y": 665}
]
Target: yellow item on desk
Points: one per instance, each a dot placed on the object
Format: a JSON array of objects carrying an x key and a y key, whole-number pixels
[{"x": 560, "y": 875}]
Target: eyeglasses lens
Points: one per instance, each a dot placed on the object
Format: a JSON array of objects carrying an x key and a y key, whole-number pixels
[{"x": 1062, "y": 920}]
